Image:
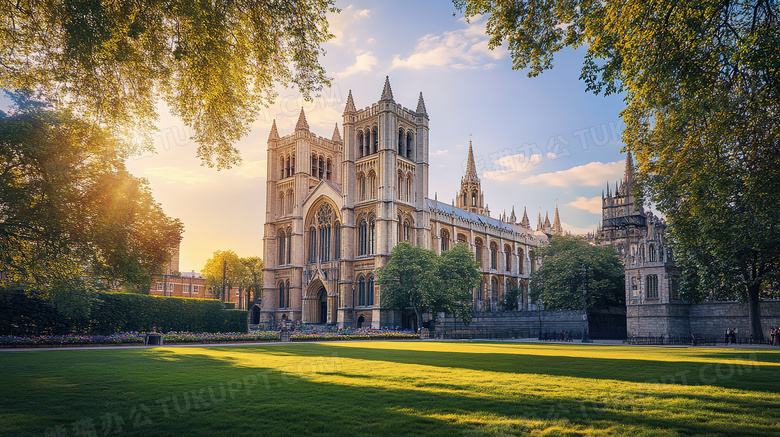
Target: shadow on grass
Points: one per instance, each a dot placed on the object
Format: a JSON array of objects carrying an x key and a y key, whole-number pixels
[
  {"x": 159, "y": 392},
  {"x": 725, "y": 374}
]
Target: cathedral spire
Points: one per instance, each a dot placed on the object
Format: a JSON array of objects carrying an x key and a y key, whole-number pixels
[
  {"x": 556, "y": 227},
  {"x": 471, "y": 168},
  {"x": 387, "y": 92},
  {"x": 350, "y": 108},
  {"x": 525, "y": 222},
  {"x": 547, "y": 224},
  {"x": 302, "y": 123},
  {"x": 513, "y": 217},
  {"x": 274, "y": 135},
  {"x": 539, "y": 221},
  {"x": 336, "y": 134},
  {"x": 421, "y": 106},
  {"x": 628, "y": 179}
]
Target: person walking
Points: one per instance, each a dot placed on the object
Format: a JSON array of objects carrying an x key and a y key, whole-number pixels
[{"x": 726, "y": 337}]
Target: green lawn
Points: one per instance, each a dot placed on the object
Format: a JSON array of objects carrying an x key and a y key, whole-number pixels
[{"x": 391, "y": 388}]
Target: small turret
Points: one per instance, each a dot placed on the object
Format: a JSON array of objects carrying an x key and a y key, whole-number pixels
[
  {"x": 350, "y": 108},
  {"x": 387, "y": 92},
  {"x": 336, "y": 134},
  {"x": 513, "y": 217},
  {"x": 274, "y": 135},
  {"x": 421, "y": 106},
  {"x": 525, "y": 222},
  {"x": 302, "y": 123}
]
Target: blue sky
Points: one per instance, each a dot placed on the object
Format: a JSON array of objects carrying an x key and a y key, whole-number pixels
[{"x": 536, "y": 140}]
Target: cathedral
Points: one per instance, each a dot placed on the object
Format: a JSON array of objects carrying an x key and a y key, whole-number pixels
[{"x": 337, "y": 206}]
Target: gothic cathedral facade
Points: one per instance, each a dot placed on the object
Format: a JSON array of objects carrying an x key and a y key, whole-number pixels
[{"x": 337, "y": 206}]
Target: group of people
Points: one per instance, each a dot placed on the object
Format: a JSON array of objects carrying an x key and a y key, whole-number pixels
[
  {"x": 731, "y": 336},
  {"x": 774, "y": 335}
]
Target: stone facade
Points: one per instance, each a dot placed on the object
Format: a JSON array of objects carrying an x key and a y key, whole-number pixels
[{"x": 334, "y": 218}]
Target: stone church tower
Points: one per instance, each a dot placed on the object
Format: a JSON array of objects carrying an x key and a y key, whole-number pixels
[
  {"x": 470, "y": 197},
  {"x": 652, "y": 303}
]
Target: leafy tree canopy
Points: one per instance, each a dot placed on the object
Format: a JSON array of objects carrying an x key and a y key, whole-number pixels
[
  {"x": 213, "y": 63},
  {"x": 69, "y": 210},
  {"x": 417, "y": 278},
  {"x": 227, "y": 263},
  {"x": 253, "y": 274},
  {"x": 558, "y": 282},
  {"x": 701, "y": 84}
]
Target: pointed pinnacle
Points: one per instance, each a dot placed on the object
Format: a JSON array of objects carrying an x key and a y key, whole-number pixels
[
  {"x": 421, "y": 106},
  {"x": 471, "y": 167},
  {"x": 350, "y": 108},
  {"x": 387, "y": 92},
  {"x": 274, "y": 135},
  {"x": 302, "y": 123},
  {"x": 336, "y": 134}
]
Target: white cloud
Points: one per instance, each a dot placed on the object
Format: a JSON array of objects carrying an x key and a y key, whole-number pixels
[
  {"x": 338, "y": 24},
  {"x": 439, "y": 153},
  {"x": 364, "y": 62},
  {"x": 510, "y": 164},
  {"x": 591, "y": 174},
  {"x": 592, "y": 205},
  {"x": 458, "y": 49},
  {"x": 175, "y": 175}
]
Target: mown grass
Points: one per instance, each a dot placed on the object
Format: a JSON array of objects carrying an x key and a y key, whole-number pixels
[{"x": 391, "y": 388}]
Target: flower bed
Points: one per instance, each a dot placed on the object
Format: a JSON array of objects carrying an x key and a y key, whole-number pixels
[
  {"x": 137, "y": 338},
  {"x": 355, "y": 334}
]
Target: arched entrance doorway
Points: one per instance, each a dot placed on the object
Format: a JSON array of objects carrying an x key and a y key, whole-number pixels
[
  {"x": 322, "y": 299},
  {"x": 254, "y": 315},
  {"x": 360, "y": 322}
]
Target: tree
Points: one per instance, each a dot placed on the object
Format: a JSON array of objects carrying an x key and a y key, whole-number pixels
[
  {"x": 213, "y": 63},
  {"x": 71, "y": 215},
  {"x": 700, "y": 80},
  {"x": 253, "y": 276},
  {"x": 458, "y": 274},
  {"x": 223, "y": 264},
  {"x": 558, "y": 282},
  {"x": 409, "y": 279},
  {"x": 417, "y": 278}
]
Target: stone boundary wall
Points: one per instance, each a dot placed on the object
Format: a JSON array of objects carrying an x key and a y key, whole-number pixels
[
  {"x": 709, "y": 319},
  {"x": 551, "y": 321}
]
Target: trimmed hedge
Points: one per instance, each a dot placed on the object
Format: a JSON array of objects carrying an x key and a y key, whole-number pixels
[{"x": 111, "y": 312}]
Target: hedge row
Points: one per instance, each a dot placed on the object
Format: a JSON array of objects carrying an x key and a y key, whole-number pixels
[{"x": 110, "y": 313}]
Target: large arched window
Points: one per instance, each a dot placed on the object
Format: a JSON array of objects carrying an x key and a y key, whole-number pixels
[
  {"x": 287, "y": 166},
  {"x": 651, "y": 253},
  {"x": 337, "y": 240},
  {"x": 371, "y": 185},
  {"x": 361, "y": 183},
  {"x": 312, "y": 244},
  {"x": 367, "y": 142},
  {"x": 362, "y": 291},
  {"x": 314, "y": 166},
  {"x": 508, "y": 258},
  {"x": 320, "y": 167},
  {"x": 532, "y": 256},
  {"x": 478, "y": 251},
  {"x": 409, "y": 145},
  {"x": 493, "y": 292},
  {"x": 521, "y": 260},
  {"x": 282, "y": 242},
  {"x": 409, "y": 189},
  {"x": 407, "y": 230},
  {"x": 360, "y": 143},
  {"x": 329, "y": 170},
  {"x": 292, "y": 166},
  {"x": 289, "y": 246},
  {"x": 400, "y": 142},
  {"x": 282, "y": 295},
  {"x": 281, "y": 167},
  {"x": 473, "y": 198},
  {"x": 445, "y": 240},
  {"x": 494, "y": 256},
  {"x": 323, "y": 222},
  {"x": 325, "y": 242},
  {"x": 400, "y": 185},
  {"x": 374, "y": 140},
  {"x": 371, "y": 236},
  {"x": 370, "y": 292},
  {"x": 362, "y": 237}
]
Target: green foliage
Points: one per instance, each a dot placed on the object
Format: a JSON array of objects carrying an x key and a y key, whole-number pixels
[
  {"x": 72, "y": 216},
  {"x": 24, "y": 313},
  {"x": 252, "y": 281},
  {"x": 700, "y": 80},
  {"x": 215, "y": 64},
  {"x": 511, "y": 297},
  {"x": 225, "y": 263},
  {"x": 417, "y": 278},
  {"x": 558, "y": 282}
]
